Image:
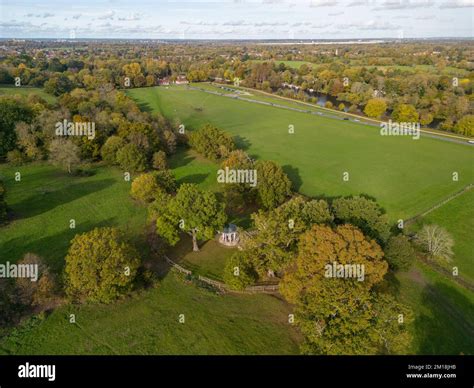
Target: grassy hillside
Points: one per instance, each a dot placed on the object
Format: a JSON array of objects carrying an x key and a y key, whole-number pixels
[
  {"x": 46, "y": 199},
  {"x": 42, "y": 204},
  {"x": 148, "y": 324},
  {"x": 406, "y": 176},
  {"x": 443, "y": 311}
]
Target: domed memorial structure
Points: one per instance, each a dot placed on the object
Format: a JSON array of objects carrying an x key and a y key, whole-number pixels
[{"x": 229, "y": 236}]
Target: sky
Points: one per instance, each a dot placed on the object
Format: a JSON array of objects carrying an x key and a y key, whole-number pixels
[{"x": 237, "y": 19}]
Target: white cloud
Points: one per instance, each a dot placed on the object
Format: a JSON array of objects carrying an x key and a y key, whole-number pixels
[
  {"x": 457, "y": 4},
  {"x": 108, "y": 15}
]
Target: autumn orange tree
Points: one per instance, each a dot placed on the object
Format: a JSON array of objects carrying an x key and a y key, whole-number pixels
[{"x": 343, "y": 315}]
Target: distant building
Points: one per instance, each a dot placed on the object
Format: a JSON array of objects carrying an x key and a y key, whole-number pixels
[
  {"x": 164, "y": 82},
  {"x": 181, "y": 80}
]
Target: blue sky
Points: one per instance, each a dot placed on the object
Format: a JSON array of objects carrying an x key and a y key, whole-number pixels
[{"x": 237, "y": 19}]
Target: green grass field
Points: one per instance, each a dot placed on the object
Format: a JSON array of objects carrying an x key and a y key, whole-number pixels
[
  {"x": 148, "y": 324},
  {"x": 190, "y": 167},
  {"x": 443, "y": 312},
  {"x": 256, "y": 95},
  {"x": 9, "y": 90},
  {"x": 42, "y": 204},
  {"x": 457, "y": 216},
  {"x": 46, "y": 199},
  {"x": 406, "y": 176}
]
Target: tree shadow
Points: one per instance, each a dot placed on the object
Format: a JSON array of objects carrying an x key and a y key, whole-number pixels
[
  {"x": 242, "y": 143},
  {"x": 180, "y": 158},
  {"x": 52, "y": 249},
  {"x": 294, "y": 175},
  {"x": 47, "y": 199},
  {"x": 193, "y": 178},
  {"x": 446, "y": 328}
]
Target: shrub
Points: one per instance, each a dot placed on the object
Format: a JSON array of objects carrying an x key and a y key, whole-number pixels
[
  {"x": 159, "y": 161},
  {"x": 399, "y": 252},
  {"x": 238, "y": 272}
]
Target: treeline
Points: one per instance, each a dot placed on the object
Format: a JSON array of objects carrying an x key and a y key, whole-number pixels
[
  {"x": 434, "y": 81},
  {"x": 29, "y": 130}
]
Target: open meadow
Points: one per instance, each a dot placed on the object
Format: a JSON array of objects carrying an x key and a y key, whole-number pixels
[{"x": 405, "y": 176}]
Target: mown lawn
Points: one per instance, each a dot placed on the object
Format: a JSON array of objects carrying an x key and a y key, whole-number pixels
[
  {"x": 149, "y": 324},
  {"x": 405, "y": 176}
]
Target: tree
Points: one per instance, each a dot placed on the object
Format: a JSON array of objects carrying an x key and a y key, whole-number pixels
[
  {"x": 193, "y": 211},
  {"x": 64, "y": 153},
  {"x": 159, "y": 161},
  {"x": 40, "y": 291},
  {"x": 273, "y": 185},
  {"x": 11, "y": 112},
  {"x": 211, "y": 142},
  {"x": 465, "y": 126},
  {"x": 144, "y": 187},
  {"x": 239, "y": 193},
  {"x": 58, "y": 85},
  {"x": 405, "y": 113},
  {"x": 277, "y": 232},
  {"x": 3, "y": 204},
  {"x": 100, "y": 265},
  {"x": 165, "y": 180},
  {"x": 436, "y": 241},
  {"x": 130, "y": 158},
  {"x": 149, "y": 186},
  {"x": 239, "y": 272},
  {"x": 341, "y": 313},
  {"x": 110, "y": 148},
  {"x": 399, "y": 252},
  {"x": 364, "y": 213},
  {"x": 375, "y": 107}
]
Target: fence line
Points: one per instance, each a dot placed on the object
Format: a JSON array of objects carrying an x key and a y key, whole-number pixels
[
  {"x": 438, "y": 205},
  {"x": 222, "y": 286},
  {"x": 178, "y": 267}
]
